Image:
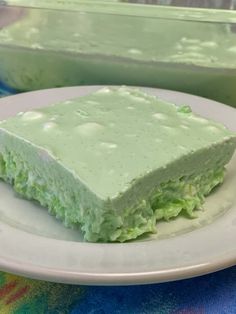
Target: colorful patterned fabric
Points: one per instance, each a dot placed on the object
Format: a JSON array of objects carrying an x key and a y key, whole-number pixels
[
  {"x": 5, "y": 90},
  {"x": 211, "y": 294}
]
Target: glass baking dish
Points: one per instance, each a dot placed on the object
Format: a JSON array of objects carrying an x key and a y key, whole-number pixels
[{"x": 188, "y": 46}]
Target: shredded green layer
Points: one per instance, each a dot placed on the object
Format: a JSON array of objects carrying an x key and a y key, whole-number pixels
[{"x": 182, "y": 195}]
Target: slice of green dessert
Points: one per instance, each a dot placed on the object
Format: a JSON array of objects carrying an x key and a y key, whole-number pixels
[{"x": 114, "y": 162}]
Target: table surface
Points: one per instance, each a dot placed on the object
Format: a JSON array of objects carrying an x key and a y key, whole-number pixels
[{"x": 214, "y": 293}]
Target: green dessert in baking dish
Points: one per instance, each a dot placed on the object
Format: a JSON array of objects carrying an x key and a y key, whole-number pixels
[
  {"x": 102, "y": 42},
  {"x": 114, "y": 162}
]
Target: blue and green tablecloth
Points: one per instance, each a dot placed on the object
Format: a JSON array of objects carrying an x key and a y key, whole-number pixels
[{"x": 210, "y": 294}]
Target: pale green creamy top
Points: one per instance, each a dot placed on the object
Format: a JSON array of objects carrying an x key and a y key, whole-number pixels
[{"x": 116, "y": 135}]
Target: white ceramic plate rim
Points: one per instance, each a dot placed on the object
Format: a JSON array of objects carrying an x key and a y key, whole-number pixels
[{"x": 204, "y": 250}]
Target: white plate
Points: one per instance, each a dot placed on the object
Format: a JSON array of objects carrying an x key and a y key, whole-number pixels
[{"x": 36, "y": 245}]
